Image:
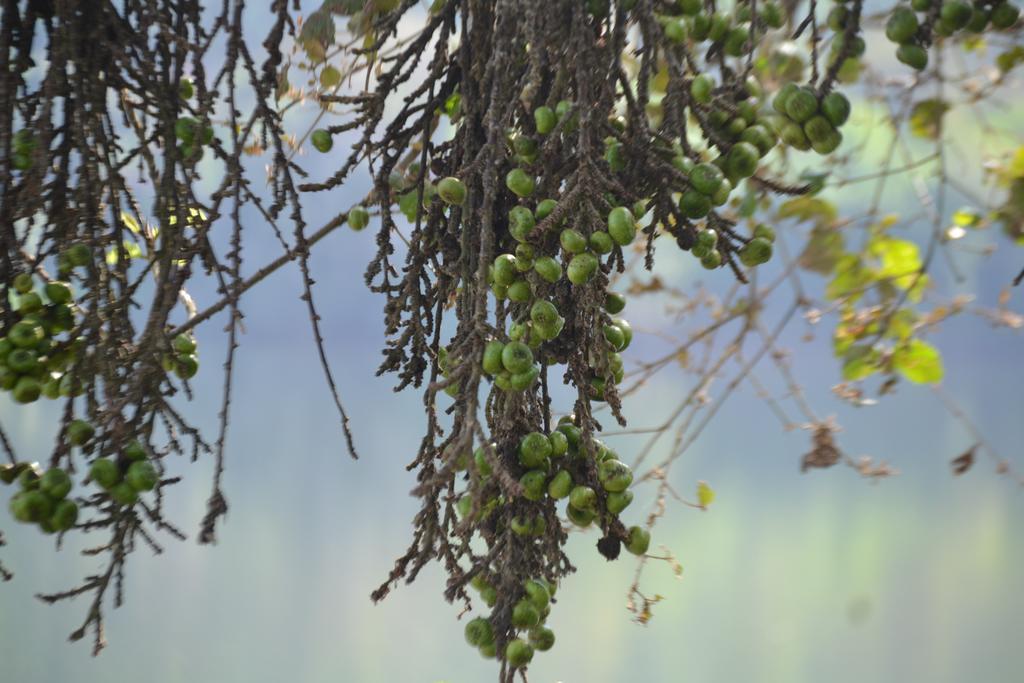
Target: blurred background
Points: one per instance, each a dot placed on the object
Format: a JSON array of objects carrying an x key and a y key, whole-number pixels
[{"x": 787, "y": 577}]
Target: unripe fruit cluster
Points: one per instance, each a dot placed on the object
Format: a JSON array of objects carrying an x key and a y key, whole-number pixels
[
  {"x": 809, "y": 121},
  {"x": 907, "y": 24},
  {"x": 192, "y": 135},
  {"x": 34, "y": 362},
  {"x": 43, "y": 498},
  {"x": 126, "y": 477},
  {"x": 529, "y": 613}
]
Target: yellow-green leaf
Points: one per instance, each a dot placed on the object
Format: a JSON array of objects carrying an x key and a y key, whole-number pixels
[
  {"x": 705, "y": 494},
  {"x": 926, "y": 118},
  {"x": 861, "y": 360},
  {"x": 918, "y": 361}
]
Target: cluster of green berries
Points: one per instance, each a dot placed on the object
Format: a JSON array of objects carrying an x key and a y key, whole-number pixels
[
  {"x": 192, "y": 135},
  {"x": 529, "y": 614},
  {"x": 23, "y": 145},
  {"x": 34, "y": 362},
  {"x": 182, "y": 359},
  {"x": 810, "y": 121},
  {"x": 911, "y": 33},
  {"x": 689, "y": 19},
  {"x": 555, "y": 467},
  {"x": 126, "y": 477},
  {"x": 43, "y": 498}
]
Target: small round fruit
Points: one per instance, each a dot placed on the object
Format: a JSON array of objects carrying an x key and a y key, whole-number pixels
[
  {"x": 24, "y": 361},
  {"x": 134, "y": 451},
  {"x": 639, "y": 540},
  {"x": 581, "y": 518},
  {"x": 781, "y": 97},
  {"x": 124, "y": 494},
  {"x": 505, "y": 272},
  {"x": 614, "y": 302},
  {"x": 706, "y": 178},
  {"x": 537, "y": 593},
  {"x": 518, "y": 653},
  {"x": 614, "y": 336},
  {"x": 65, "y": 514},
  {"x": 583, "y": 498},
  {"x": 479, "y": 632},
  {"x": 627, "y": 332},
  {"x": 559, "y": 443},
  {"x": 792, "y": 134},
  {"x": 521, "y": 381},
  {"x": 27, "y": 390},
  {"x": 542, "y": 639},
  {"x": 520, "y": 182},
  {"x": 452, "y": 190},
  {"x": 902, "y": 25},
  {"x": 545, "y": 119},
  {"x": 701, "y": 87},
  {"x": 601, "y": 242},
  {"x": 55, "y": 483},
  {"x": 57, "y": 292},
  {"x": 756, "y": 252},
  {"x": 693, "y": 204},
  {"x": 622, "y": 225},
  {"x": 956, "y": 13},
  {"x": 186, "y": 366},
  {"x": 25, "y": 334},
  {"x": 184, "y": 343},
  {"x": 142, "y": 476},
  {"x": 560, "y": 485},
  {"x": 615, "y": 476},
  {"x": 1004, "y": 15},
  {"x": 802, "y": 105},
  {"x": 764, "y": 231},
  {"x": 322, "y": 140},
  {"x": 525, "y": 614},
  {"x": 581, "y": 268},
  {"x": 31, "y": 506},
  {"x": 573, "y": 241},
  {"x": 519, "y": 292},
  {"x": 358, "y": 218},
  {"x": 742, "y": 160},
  {"x": 79, "y": 255},
  {"x": 520, "y": 222},
  {"x": 836, "y": 108},
  {"x": 185, "y": 88},
  {"x": 534, "y": 449},
  {"x": 548, "y": 268},
  {"x": 492, "y": 364},
  {"x": 533, "y": 483},
  {"x": 618, "y": 501},
  {"x": 914, "y": 56},
  {"x": 543, "y": 313},
  {"x": 105, "y": 473}
]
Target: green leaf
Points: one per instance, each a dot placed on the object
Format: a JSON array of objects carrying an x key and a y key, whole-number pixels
[
  {"x": 131, "y": 249},
  {"x": 809, "y": 209},
  {"x": 1010, "y": 58},
  {"x": 860, "y": 361},
  {"x": 918, "y": 361},
  {"x": 926, "y": 118},
  {"x": 823, "y": 250},
  {"x": 330, "y": 77},
  {"x": 851, "y": 278}
]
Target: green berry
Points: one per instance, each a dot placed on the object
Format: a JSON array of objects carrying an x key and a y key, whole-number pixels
[
  {"x": 836, "y": 108},
  {"x": 639, "y": 540},
  {"x": 322, "y": 140},
  {"x": 542, "y": 639},
  {"x": 479, "y": 632},
  {"x": 358, "y": 218},
  {"x": 104, "y": 472},
  {"x": 701, "y": 87},
  {"x": 548, "y": 269},
  {"x": 142, "y": 476},
  {"x": 581, "y": 268},
  {"x": 545, "y": 119},
  {"x": 534, "y": 450},
  {"x": 614, "y": 475},
  {"x": 756, "y": 252},
  {"x": 902, "y": 25},
  {"x": 614, "y": 302},
  {"x": 65, "y": 514},
  {"x": 520, "y": 183},
  {"x": 518, "y": 653},
  {"x": 55, "y": 483},
  {"x": 621, "y": 225},
  {"x": 517, "y": 357},
  {"x": 452, "y": 191},
  {"x": 706, "y": 178},
  {"x": 124, "y": 494},
  {"x": 601, "y": 242},
  {"x": 560, "y": 485},
  {"x": 693, "y": 204},
  {"x": 573, "y": 241},
  {"x": 619, "y": 501},
  {"x": 802, "y": 105}
]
